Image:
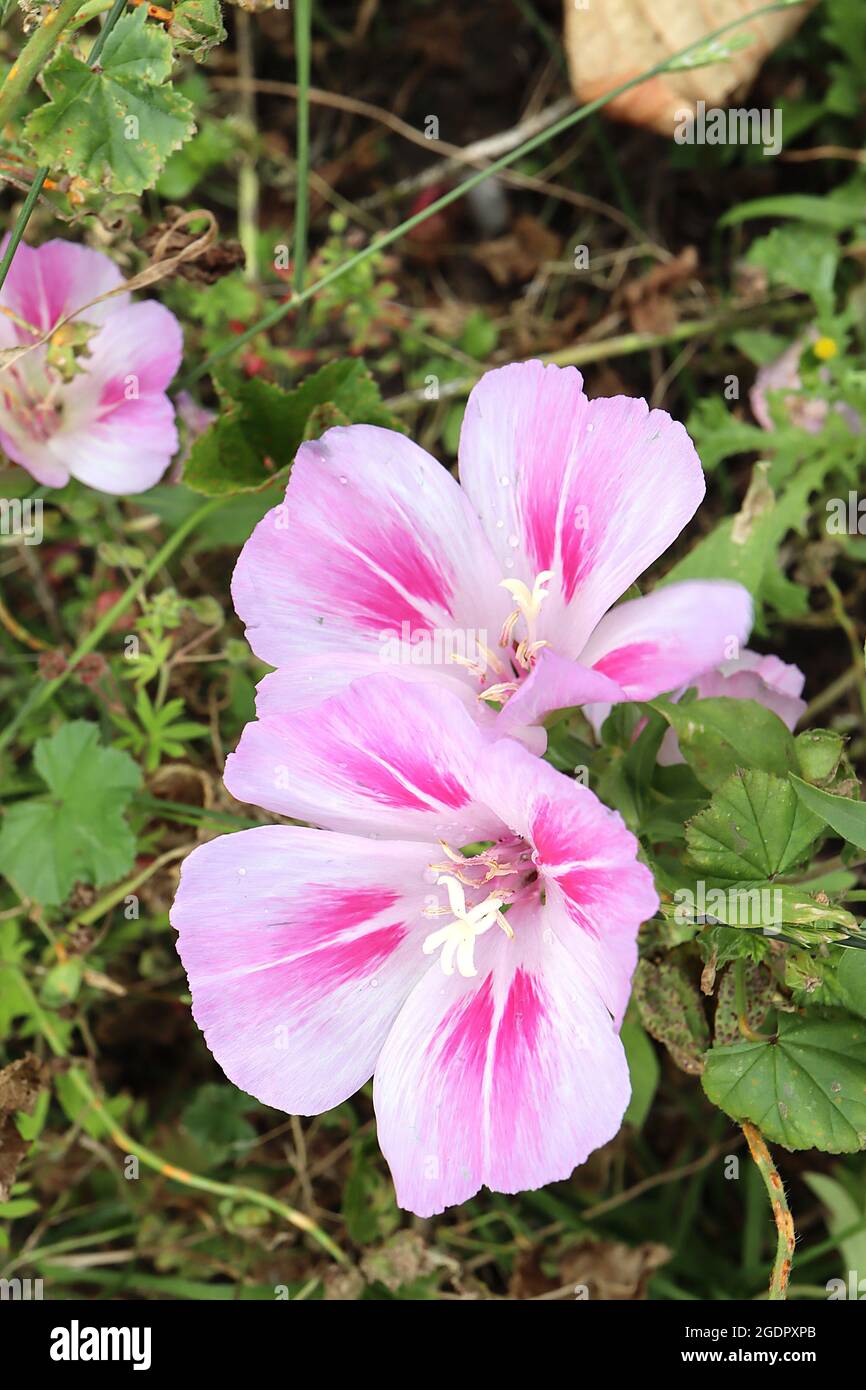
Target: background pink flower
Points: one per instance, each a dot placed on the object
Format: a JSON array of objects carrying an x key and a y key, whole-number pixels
[
  {"x": 111, "y": 425},
  {"x": 485, "y": 992},
  {"x": 509, "y": 581},
  {"x": 750, "y": 676}
]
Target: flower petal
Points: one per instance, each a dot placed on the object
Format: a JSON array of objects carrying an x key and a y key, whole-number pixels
[
  {"x": 509, "y": 1079},
  {"x": 386, "y": 757},
  {"x": 300, "y": 947},
  {"x": 598, "y": 890},
  {"x": 593, "y": 490},
  {"x": 665, "y": 639},
  {"x": 44, "y": 283},
  {"x": 555, "y": 683},
  {"x": 375, "y": 546}
]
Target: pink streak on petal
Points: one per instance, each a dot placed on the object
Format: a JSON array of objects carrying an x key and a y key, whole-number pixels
[
  {"x": 628, "y": 662},
  {"x": 461, "y": 1038}
]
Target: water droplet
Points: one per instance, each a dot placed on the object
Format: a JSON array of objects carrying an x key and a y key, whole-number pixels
[
  {"x": 514, "y": 541},
  {"x": 590, "y": 428},
  {"x": 504, "y": 481},
  {"x": 374, "y": 983},
  {"x": 500, "y": 524},
  {"x": 241, "y": 871},
  {"x": 344, "y": 480},
  {"x": 509, "y": 563}
]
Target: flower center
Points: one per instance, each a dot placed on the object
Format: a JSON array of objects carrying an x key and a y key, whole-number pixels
[
  {"x": 522, "y": 651},
  {"x": 31, "y": 400},
  {"x": 456, "y": 939}
]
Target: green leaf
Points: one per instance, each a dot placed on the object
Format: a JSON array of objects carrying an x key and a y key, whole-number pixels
[
  {"x": 118, "y": 122},
  {"x": 843, "y": 1214},
  {"x": 744, "y": 548},
  {"x": 804, "y": 1089},
  {"x": 851, "y": 982},
  {"x": 644, "y": 1072},
  {"x": 753, "y": 828},
  {"x": 802, "y": 257},
  {"x": 196, "y": 27},
  {"x": 846, "y": 817},
  {"x": 75, "y": 833},
  {"x": 62, "y": 983},
  {"x": 672, "y": 1011},
  {"x": 719, "y": 735},
  {"x": 261, "y": 427},
  {"x": 216, "y": 1119},
  {"x": 836, "y": 213},
  {"x": 818, "y": 753}
]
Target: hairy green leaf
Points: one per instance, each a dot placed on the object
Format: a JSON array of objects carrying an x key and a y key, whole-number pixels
[
  {"x": 118, "y": 122},
  {"x": 76, "y": 832}
]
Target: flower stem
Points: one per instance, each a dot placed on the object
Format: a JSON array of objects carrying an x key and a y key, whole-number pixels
[
  {"x": 40, "y": 693},
  {"x": 300, "y": 296},
  {"x": 781, "y": 1271},
  {"x": 21, "y": 222}
]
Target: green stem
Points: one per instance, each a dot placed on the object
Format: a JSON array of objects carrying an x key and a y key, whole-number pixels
[
  {"x": 302, "y": 162},
  {"x": 40, "y": 693},
  {"x": 33, "y": 56},
  {"x": 272, "y": 318},
  {"x": 114, "y": 15},
  {"x": 23, "y": 218},
  {"x": 785, "y": 1238}
]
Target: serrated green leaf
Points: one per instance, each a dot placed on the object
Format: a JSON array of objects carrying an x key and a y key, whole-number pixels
[
  {"x": 261, "y": 428},
  {"x": 671, "y": 1010},
  {"x": 846, "y": 817},
  {"x": 754, "y": 828},
  {"x": 76, "y": 833},
  {"x": 804, "y": 1089},
  {"x": 116, "y": 123},
  {"x": 196, "y": 27},
  {"x": 719, "y": 735}
]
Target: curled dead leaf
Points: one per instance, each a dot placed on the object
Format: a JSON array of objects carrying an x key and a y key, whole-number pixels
[{"x": 611, "y": 43}]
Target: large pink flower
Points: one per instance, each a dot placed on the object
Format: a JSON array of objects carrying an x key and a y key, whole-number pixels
[
  {"x": 464, "y": 927},
  {"x": 500, "y": 589},
  {"x": 111, "y": 425}
]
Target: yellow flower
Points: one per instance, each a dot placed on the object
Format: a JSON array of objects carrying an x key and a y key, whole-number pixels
[{"x": 825, "y": 348}]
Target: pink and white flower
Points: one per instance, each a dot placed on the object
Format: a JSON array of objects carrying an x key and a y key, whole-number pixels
[
  {"x": 110, "y": 425},
  {"x": 564, "y": 503},
  {"x": 463, "y": 928}
]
